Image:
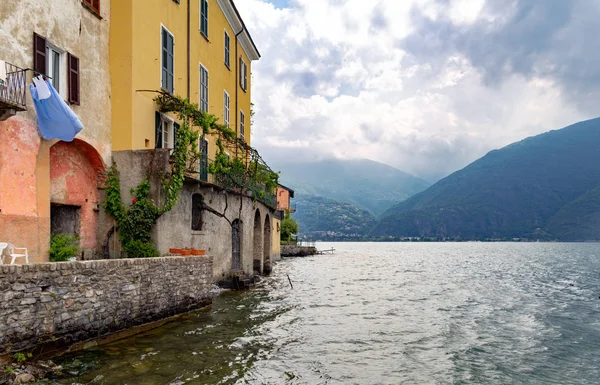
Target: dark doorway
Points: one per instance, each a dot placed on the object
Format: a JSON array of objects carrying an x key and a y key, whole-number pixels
[
  {"x": 267, "y": 246},
  {"x": 197, "y": 212},
  {"x": 64, "y": 219},
  {"x": 236, "y": 245},
  {"x": 258, "y": 243}
]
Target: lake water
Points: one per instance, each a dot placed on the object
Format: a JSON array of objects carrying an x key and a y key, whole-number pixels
[{"x": 383, "y": 313}]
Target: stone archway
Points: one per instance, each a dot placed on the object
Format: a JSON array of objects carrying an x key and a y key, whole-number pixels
[
  {"x": 258, "y": 243},
  {"x": 75, "y": 170},
  {"x": 236, "y": 245},
  {"x": 267, "y": 246}
]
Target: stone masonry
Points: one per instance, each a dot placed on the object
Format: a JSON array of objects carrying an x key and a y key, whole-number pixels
[{"x": 68, "y": 302}]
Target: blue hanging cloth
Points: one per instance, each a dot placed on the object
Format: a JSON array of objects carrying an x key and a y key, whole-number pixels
[{"x": 56, "y": 120}]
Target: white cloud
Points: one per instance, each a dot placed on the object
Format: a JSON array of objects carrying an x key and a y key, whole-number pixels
[{"x": 335, "y": 79}]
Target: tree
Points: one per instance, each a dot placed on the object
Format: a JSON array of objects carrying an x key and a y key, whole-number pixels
[{"x": 288, "y": 227}]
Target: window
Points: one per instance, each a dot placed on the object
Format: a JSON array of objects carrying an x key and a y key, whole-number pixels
[
  {"x": 226, "y": 103},
  {"x": 61, "y": 67},
  {"x": 204, "y": 17},
  {"x": 165, "y": 131},
  {"x": 228, "y": 157},
  {"x": 227, "y": 49},
  {"x": 243, "y": 75},
  {"x": 167, "y": 60},
  {"x": 242, "y": 124},
  {"x": 53, "y": 59},
  {"x": 203, "y": 88},
  {"x": 197, "y": 202},
  {"x": 93, "y": 5}
]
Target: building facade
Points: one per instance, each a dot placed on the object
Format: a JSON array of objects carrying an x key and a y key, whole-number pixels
[
  {"x": 200, "y": 50},
  {"x": 48, "y": 185}
]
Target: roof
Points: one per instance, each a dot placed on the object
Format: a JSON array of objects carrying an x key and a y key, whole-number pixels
[
  {"x": 237, "y": 23},
  {"x": 289, "y": 189}
]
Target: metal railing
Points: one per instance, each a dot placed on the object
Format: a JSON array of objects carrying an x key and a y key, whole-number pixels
[
  {"x": 236, "y": 182},
  {"x": 13, "y": 92}
]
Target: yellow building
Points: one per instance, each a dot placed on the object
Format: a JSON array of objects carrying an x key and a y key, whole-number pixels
[{"x": 199, "y": 49}]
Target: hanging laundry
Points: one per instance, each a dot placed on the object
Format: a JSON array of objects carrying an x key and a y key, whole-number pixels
[
  {"x": 56, "y": 120},
  {"x": 43, "y": 92}
]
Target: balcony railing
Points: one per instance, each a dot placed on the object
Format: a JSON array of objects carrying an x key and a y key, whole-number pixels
[
  {"x": 13, "y": 92},
  {"x": 233, "y": 181}
]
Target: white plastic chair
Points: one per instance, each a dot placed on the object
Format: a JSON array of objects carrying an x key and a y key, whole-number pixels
[
  {"x": 3, "y": 245},
  {"x": 17, "y": 252}
]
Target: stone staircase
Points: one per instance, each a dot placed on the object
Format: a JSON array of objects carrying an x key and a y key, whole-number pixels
[{"x": 240, "y": 281}]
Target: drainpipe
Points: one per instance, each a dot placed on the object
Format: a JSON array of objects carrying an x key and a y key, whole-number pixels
[
  {"x": 237, "y": 88},
  {"x": 188, "y": 48}
]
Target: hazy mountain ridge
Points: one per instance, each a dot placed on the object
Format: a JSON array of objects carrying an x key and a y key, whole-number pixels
[
  {"x": 367, "y": 184},
  {"x": 532, "y": 188},
  {"x": 323, "y": 218}
]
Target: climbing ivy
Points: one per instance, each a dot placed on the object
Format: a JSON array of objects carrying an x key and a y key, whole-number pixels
[{"x": 247, "y": 172}]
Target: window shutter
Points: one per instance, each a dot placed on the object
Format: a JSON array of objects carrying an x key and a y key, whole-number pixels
[
  {"x": 245, "y": 77},
  {"x": 170, "y": 62},
  {"x": 39, "y": 53},
  {"x": 241, "y": 72},
  {"x": 158, "y": 129},
  {"x": 73, "y": 65},
  {"x": 96, "y": 5}
]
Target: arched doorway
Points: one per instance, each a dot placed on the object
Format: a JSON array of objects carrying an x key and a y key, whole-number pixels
[
  {"x": 258, "y": 243},
  {"x": 75, "y": 171},
  {"x": 236, "y": 245},
  {"x": 267, "y": 246}
]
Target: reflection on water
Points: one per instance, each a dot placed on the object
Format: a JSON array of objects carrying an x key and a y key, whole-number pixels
[{"x": 463, "y": 313}]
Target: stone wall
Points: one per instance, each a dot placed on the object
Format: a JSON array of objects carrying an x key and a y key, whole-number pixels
[
  {"x": 297, "y": 251},
  {"x": 259, "y": 227},
  {"x": 68, "y": 302}
]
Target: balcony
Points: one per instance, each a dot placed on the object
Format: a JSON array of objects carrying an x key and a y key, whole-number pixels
[
  {"x": 235, "y": 182},
  {"x": 13, "y": 92}
]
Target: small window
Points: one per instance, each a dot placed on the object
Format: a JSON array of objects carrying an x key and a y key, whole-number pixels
[
  {"x": 93, "y": 5},
  {"x": 53, "y": 65},
  {"x": 243, "y": 75},
  {"x": 203, "y": 88},
  {"x": 165, "y": 131},
  {"x": 197, "y": 202},
  {"x": 204, "y": 17},
  {"x": 227, "y": 49},
  {"x": 226, "y": 103},
  {"x": 242, "y": 124},
  {"x": 167, "y": 61}
]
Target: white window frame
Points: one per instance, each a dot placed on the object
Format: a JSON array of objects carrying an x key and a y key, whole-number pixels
[
  {"x": 202, "y": 88},
  {"x": 161, "y": 56},
  {"x": 242, "y": 124},
  {"x": 62, "y": 68},
  {"x": 228, "y": 157},
  {"x": 244, "y": 75},
  {"x": 170, "y": 130},
  {"x": 226, "y": 108},
  {"x": 227, "y": 49}
]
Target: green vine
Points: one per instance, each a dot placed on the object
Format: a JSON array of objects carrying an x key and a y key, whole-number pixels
[{"x": 246, "y": 172}]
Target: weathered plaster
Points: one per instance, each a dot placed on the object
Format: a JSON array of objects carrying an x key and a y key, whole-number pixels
[
  {"x": 24, "y": 156},
  {"x": 173, "y": 229}
]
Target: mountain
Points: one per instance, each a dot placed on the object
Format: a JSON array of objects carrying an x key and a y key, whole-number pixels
[
  {"x": 369, "y": 185},
  {"x": 322, "y": 218},
  {"x": 543, "y": 187}
]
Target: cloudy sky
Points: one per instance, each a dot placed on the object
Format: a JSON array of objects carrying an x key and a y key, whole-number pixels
[{"x": 426, "y": 86}]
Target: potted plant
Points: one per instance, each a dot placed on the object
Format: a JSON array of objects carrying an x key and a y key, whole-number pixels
[
  {"x": 175, "y": 251},
  {"x": 186, "y": 252},
  {"x": 198, "y": 252}
]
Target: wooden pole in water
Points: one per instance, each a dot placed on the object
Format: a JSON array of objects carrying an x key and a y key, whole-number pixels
[{"x": 292, "y": 286}]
